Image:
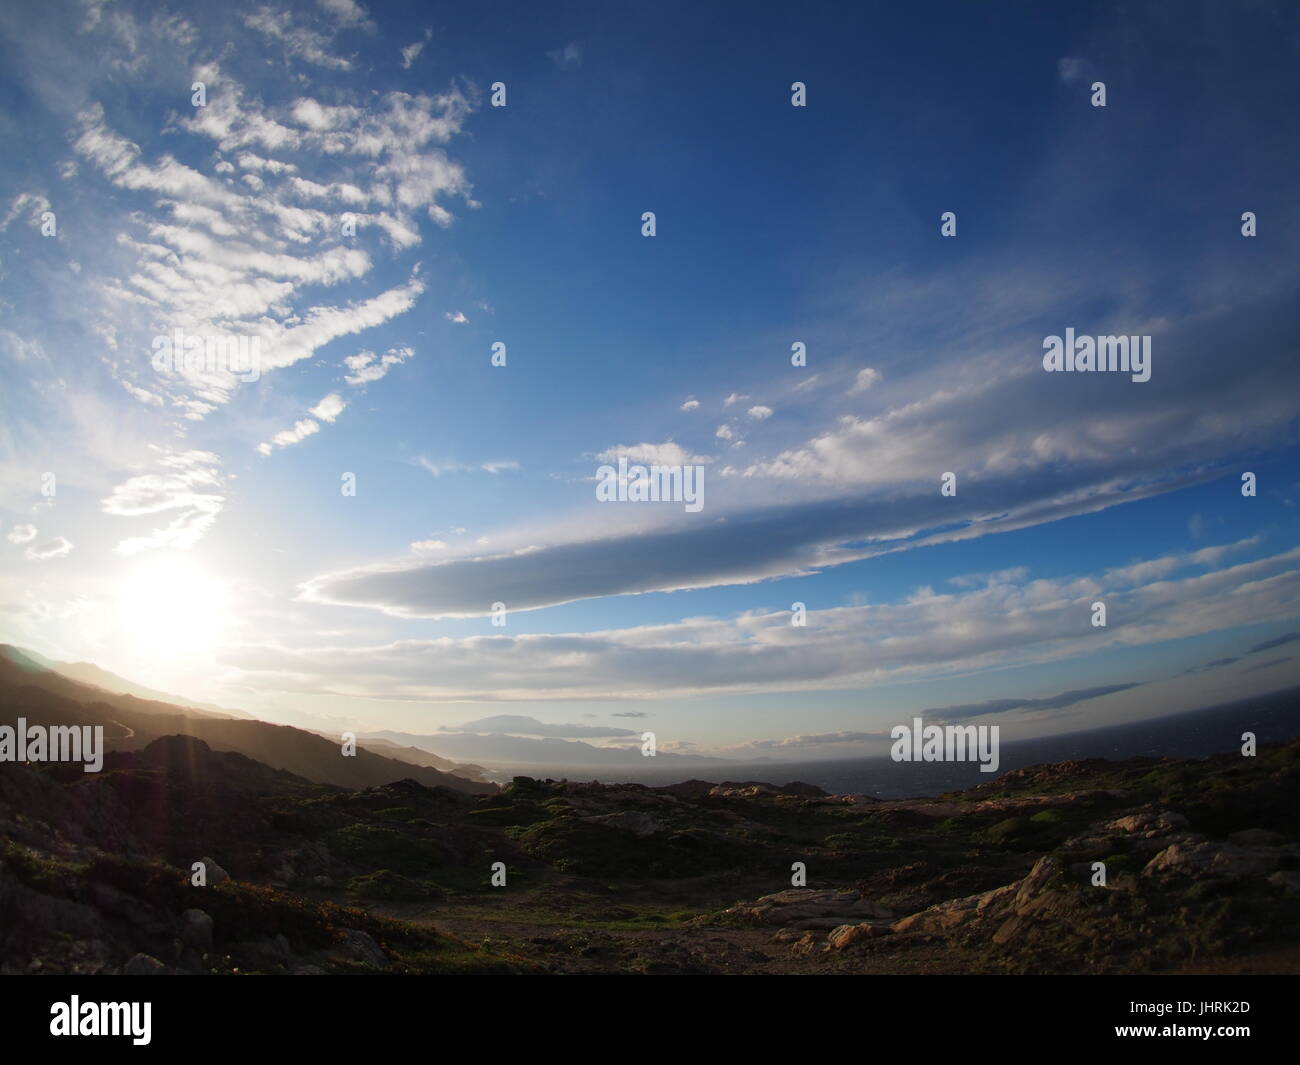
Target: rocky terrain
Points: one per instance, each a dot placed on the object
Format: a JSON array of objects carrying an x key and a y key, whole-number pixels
[{"x": 1202, "y": 862}]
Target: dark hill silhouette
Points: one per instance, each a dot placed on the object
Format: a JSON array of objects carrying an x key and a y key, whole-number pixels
[{"x": 43, "y": 696}]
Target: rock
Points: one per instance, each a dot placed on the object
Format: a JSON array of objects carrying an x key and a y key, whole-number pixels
[
  {"x": 946, "y": 916},
  {"x": 1150, "y": 824},
  {"x": 846, "y": 935},
  {"x": 1211, "y": 859},
  {"x": 787, "y": 908},
  {"x": 1044, "y": 870},
  {"x": 638, "y": 824},
  {"x": 215, "y": 874},
  {"x": 1257, "y": 837},
  {"x": 322, "y": 881},
  {"x": 144, "y": 965},
  {"x": 749, "y": 789},
  {"x": 1010, "y": 929},
  {"x": 196, "y": 930},
  {"x": 1287, "y": 880},
  {"x": 360, "y": 946},
  {"x": 807, "y": 944}
]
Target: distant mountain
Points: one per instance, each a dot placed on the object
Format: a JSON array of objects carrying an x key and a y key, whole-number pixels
[
  {"x": 418, "y": 756},
  {"x": 534, "y": 753},
  {"x": 44, "y": 696}
]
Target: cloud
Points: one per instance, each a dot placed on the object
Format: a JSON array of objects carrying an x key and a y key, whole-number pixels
[
  {"x": 21, "y": 534},
  {"x": 459, "y": 317},
  {"x": 733, "y": 399},
  {"x": 191, "y": 483},
  {"x": 33, "y": 204},
  {"x": 865, "y": 379},
  {"x": 1267, "y": 665},
  {"x": 366, "y": 368},
  {"x": 818, "y": 739},
  {"x": 567, "y": 57},
  {"x": 1215, "y": 664},
  {"x": 348, "y": 13},
  {"x": 299, "y": 40},
  {"x": 691, "y": 404},
  {"x": 412, "y": 51},
  {"x": 759, "y": 413},
  {"x": 512, "y": 724},
  {"x": 232, "y": 255},
  {"x": 438, "y": 469},
  {"x": 329, "y": 408},
  {"x": 56, "y": 548},
  {"x": 1277, "y": 641},
  {"x": 1000, "y": 623},
  {"x": 665, "y": 454},
  {"x": 1002, "y": 706},
  {"x": 1070, "y": 69}
]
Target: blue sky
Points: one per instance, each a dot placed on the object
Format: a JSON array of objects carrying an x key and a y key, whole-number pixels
[{"x": 197, "y": 538}]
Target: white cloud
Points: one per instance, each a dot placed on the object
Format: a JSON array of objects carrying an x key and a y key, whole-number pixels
[
  {"x": 459, "y": 317},
  {"x": 759, "y": 413},
  {"x": 33, "y": 204},
  {"x": 21, "y": 534},
  {"x": 192, "y": 484},
  {"x": 1070, "y": 69},
  {"x": 865, "y": 378},
  {"x": 56, "y": 548},
  {"x": 691, "y": 404},
  {"x": 999, "y": 623},
  {"x": 348, "y": 13},
  {"x": 567, "y": 57},
  {"x": 665, "y": 454},
  {"x": 302, "y": 429},
  {"x": 329, "y": 408},
  {"x": 412, "y": 51},
  {"x": 439, "y": 468},
  {"x": 299, "y": 40},
  {"x": 366, "y": 368}
]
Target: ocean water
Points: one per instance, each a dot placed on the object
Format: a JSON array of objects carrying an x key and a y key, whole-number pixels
[{"x": 1193, "y": 734}]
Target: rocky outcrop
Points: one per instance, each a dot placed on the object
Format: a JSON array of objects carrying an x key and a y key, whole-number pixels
[{"x": 807, "y": 908}]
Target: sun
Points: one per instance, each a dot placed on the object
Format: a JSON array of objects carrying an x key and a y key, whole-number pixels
[{"x": 171, "y": 608}]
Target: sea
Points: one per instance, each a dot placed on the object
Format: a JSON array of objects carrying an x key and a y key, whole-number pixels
[{"x": 1191, "y": 734}]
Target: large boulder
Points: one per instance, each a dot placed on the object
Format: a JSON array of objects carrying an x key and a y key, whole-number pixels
[{"x": 1209, "y": 859}]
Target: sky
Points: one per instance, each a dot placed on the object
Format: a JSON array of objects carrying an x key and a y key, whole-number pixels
[{"x": 381, "y": 196}]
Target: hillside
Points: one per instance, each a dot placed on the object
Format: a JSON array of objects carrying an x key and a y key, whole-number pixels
[
  {"x": 44, "y": 696},
  {"x": 1202, "y": 860}
]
